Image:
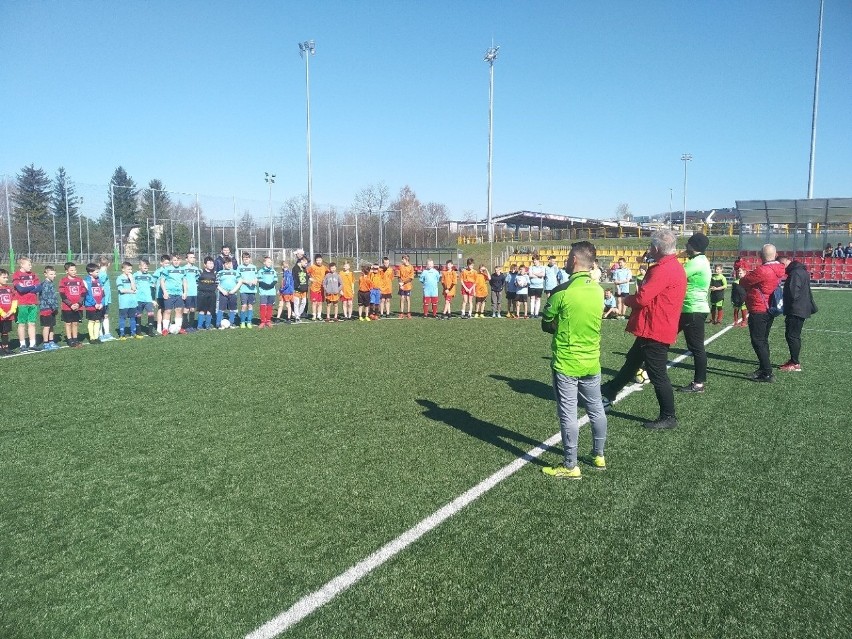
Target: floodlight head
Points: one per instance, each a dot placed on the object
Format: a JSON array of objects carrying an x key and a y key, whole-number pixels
[
  {"x": 308, "y": 46},
  {"x": 686, "y": 157},
  {"x": 491, "y": 54}
]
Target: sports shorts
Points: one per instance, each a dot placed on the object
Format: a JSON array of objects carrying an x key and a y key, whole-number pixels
[
  {"x": 174, "y": 302},
  {"x": 449, "y": 296},
  {"x": 536, "y": 292},
  {"x": 300, "y": 294},
  {"x": 6, "y": 325},
  {"x": 345, "y": 298},
  {"x": 316, "y": 296},
  {"x": 363, "y": 298},
  {"x": 247, "y": 299},
  {"x": 71, "y": 317},
  {"x": 48, "y": 319},
  {"x": 332, "y": 298},
  {"x": 267, "y": 300},
  {"x": 126, "y": 313},
  {"x": 207, "y": 302},
  {"x": 94, "y": 314},
  {"x": 386, "y": 296},
  {"x": 510, "y": 296},
  {"x": 404, "y": 293},
  {"x": 521, "y": 298},
  {"x": 191, "y": 301},
  {"x": 227, "y": 302},
  {"x": 27, "y": 313},
  {"x": 144, "y": 307},
  {"x": 286, "y": 297},
  {"x": 375, "y": 296},
  {"x": 480, "y": 300}
]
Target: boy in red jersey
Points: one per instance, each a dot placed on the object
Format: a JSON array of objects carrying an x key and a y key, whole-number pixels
[
  {"x": 27, "y": 287},
  {"x": 72, "y": 292},
  {"x": 94, "y": 302},
  {"x": 8, "y": 306}
]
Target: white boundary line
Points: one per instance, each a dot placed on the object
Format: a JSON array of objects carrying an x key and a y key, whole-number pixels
[{"x": 309, "y": 603}]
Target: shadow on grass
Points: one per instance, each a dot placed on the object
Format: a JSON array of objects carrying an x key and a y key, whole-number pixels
[
  {"x": 527, "y": 386},
  {"x": 497, "y": 436}
]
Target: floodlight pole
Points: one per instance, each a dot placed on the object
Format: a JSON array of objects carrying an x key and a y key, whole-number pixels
[
  {"x": 9, "y": 226},
  {"x": 490, "y": 57},
  {"x": 306, "y": 50},
  {"x": 686, "y": 157},
  {"x": 270, "y": 180},
  {"x": 671, "y": 196},
  {"x": 816, "y": 103},
  {"x": 67, "y": 223}
]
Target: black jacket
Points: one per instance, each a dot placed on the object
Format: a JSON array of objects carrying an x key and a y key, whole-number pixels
[{"x": 798, "y": 299}]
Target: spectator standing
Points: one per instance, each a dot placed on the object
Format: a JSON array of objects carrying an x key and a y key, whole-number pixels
[
  {"x": 695, "y": 308},
  {"x": 621, "y": 278},
  {"x": 596, "y": 274},
  {"x": 798, "y": 306},
  {"x": 759, "y": 285},
  {"x": 654, "y": 321}
]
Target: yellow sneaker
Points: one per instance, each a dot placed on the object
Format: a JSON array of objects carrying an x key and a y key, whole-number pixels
[
  {"x": 138, "y": 336},
  {"x": 560, "y": 472},
  {"x": 598, "y": 462}
]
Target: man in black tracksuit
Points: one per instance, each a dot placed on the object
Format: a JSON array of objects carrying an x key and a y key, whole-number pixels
[{"x": 798, "y": 306}]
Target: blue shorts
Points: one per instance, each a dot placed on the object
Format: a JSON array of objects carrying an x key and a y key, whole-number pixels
[
  {"x": 267, "y": 300},
  {"x": 375, "y": 296},
  {"x": 174, "y": 302},
  {"x": 247, "y": 299},
  {"x": 191, "y": 301},
  {"x": 144, "y": 307},
  {"x": 227, "y": 302},
  {"x": 126, "y": 313}
]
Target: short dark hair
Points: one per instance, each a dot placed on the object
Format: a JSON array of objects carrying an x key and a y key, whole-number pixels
[
  {"x": 585, "y": 252},
  {"x": 123, "y": 264},
  {"x": 69, "y": 265},
  {"x": 208, "y": 258},
  {"x": 49, "y": 268},
  {"x": 144, "y": 261},
  {"x": 91, "y": 267},
  {"x": 3, "y": 271}
]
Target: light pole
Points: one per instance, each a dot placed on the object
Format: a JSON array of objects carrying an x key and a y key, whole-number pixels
[
  {"x": 816, "y": 102},
  {"x": 67, "y": 224},
  {"x": 686, "y": 157},
  {"x": 671, "y": 195},
  {"x": 306, "y": 50},
  {"x": 270, "y": 180},
  {"x": 490, "y": 57}
]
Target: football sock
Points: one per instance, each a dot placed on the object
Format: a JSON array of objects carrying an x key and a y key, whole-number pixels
[
  {"x": 121, "y": 324},
  {"x": 720, "y": 313},
  {"x": 133, "y": 326},
  {"x": 232, "y": 315},
  {"x": 201, "y": 319},
  {"x": 250, "y": 316},
  {"x": 218, "y": 318},
  {"x": 191, "y": 319},
  {"x": 105, "y": 325}
]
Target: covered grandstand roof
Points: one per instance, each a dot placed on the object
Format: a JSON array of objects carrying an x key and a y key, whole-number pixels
[
  {"x": 554, "y": 221},
  {"x": 822, "y": 210}
]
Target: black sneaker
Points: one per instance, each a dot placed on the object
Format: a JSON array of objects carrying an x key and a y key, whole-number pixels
[
  {"x": 691, "y": 388},
  {"x": 763, "y": 377},
  {"x": 663, "y": 423}
]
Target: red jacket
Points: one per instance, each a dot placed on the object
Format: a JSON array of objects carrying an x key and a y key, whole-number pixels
[
  {"x": 656, "y": 305},
  {"x": 759, "y": 285}
]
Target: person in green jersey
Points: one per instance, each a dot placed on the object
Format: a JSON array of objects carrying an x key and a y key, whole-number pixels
[
  {"x": 718, "y": 284},
  {"x": 573, "y": 315},
  {"x": 695, "y": 308}
]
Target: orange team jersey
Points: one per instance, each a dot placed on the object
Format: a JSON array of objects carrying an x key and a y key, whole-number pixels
[
  {"x": 406, "y": 273},
  {"x": 468, "y": 278},
  {"x": 317, "y": 275},
  {"x": 348, "y": 279},
  {"x": 365, "y": 283},
  {"x": 481, "y": 285},
  {"x": 386, "y": 278},
  {"x": 449, "y": 279},
  {"x": 376, "y": 280}
]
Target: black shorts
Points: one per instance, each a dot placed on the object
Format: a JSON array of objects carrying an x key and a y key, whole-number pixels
[
  {"x": 480, "y": 300},
  {"x": 71, "y": 317},
  {"x": 191, "y": 301},
  {"x": 521, "y": 298},
  {"x": 386, "y": 296},
  {"x": 48, "y": 321},
  {"x": 617, "y": 294},
  {"x": 404, "y": 293},
  {"x": 206, "y": 302},
  {"x": 6, "y": 326},
  {"x": 536, "y": 292},
  {"x": 510, "y": 295},
  {"x": 94, "y": 314},
  {"x": 363, "y": 298}
]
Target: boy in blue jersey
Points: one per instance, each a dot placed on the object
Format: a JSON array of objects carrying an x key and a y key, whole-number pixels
[
  {"x": 192, "y": 271},
  {"x": 173, "y": 284},
  {"x": 229, "y": 284},
  {"x": 127, "y": 302},
  {"x": 145, "y": 283},
  {"x": 103, "y": 276},
  {"x": 248, "y": 290},
  {"x": 430, "y": 277},
  {"x": 288, "y": 288},
  {"x": 267, "y": 283},
  {"x": 165, "y": 261}
]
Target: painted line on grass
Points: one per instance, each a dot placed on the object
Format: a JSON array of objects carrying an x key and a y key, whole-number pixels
[
  {"x": 315, "y": 600},
  {"x": 825, "y": 330}
]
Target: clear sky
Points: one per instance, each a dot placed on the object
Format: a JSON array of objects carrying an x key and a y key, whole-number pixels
[{"x": 594, "y": 101}]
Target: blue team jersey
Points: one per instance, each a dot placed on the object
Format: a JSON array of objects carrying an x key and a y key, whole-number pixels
[
  {"x": 430, "y": 278},
  {"x": 192, "y": 271},
  {"x": 269, "y": 277},
  {"x": 510, "y": 282},
  {"x": 620, "y": 275},
  {"x": 552, "y": 277},
  {"x": 126, "y": 294},
  {"x": 103, "y": 278},
  {"x": 145, "y": 283},
  {"x": 536, "y": 275},
  {"x": 173, "y": 278},
  {"x": 248, "y": 277},
  {"x": 287, "y": 286},
  {"x": 228, "y": 278},
  {"x": 157, "y": 275}
]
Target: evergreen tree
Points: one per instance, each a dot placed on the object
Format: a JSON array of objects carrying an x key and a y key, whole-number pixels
[
  {"x": 126, "y": 196},
  {"x": 32, "y": 197},
  {"x": 61, "y": 186}
]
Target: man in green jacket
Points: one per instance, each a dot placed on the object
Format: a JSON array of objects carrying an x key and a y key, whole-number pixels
[
  {"x": 573, "y": 315},
  {"x": 695, "y": 308}
]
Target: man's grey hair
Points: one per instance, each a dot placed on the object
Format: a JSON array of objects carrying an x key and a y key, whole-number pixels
[
  {"x": 664, "y": 241},
  {"x": 768, "y": 252}
]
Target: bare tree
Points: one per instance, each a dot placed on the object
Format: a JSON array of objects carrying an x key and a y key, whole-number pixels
[{"x": 623, "y": 213}]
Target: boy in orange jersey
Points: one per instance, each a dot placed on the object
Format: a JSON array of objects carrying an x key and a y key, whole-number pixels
[
  {"x": 316, "y": 274},
  {"x": 449, "y": 280},
  {"x": 406, "y": 277},
  {"x": 386, "y": 286},
  {"x": 468, "y": 287},
  {"x": 480, "y": 291},
  {"x": 365, "y": 283},
  {"x": 347, "y": 293},
  {"x": 376, "y": 280}
]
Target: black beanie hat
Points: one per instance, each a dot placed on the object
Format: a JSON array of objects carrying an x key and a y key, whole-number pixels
[{"x": 698, "y": 242}]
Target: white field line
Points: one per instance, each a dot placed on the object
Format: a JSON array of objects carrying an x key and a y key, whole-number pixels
[
  {"x": 309, "y": 603},
  {"x": 825, "y": 330}
]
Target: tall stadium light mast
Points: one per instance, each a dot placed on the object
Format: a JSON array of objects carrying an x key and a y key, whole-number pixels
[
  {"x": 306, "y": 50},
  {"x": 270, "y": 180},
  {"x": 686, "y": 157},
  {"x": 816, "y": 103},
  {"x": 490, "y": 57}
]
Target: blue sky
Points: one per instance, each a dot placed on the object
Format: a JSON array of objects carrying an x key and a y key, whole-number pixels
[{"x": 594, "y": 101}]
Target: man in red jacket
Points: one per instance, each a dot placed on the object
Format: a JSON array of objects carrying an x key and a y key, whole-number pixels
[
  {"x": 654, "y": 321},
  {"x": 759, "y": 285}
]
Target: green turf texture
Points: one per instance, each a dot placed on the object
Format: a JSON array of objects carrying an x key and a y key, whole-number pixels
[{"x": 197, "y": 486}]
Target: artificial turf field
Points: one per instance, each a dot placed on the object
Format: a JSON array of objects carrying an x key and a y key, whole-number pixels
[{"x": 199, "y": 485}]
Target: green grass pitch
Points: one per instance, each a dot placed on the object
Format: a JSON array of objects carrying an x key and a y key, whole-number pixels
[{"x": 199, "y": 485}]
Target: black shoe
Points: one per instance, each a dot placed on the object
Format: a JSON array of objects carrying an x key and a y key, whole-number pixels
[
  {"x": 691, "y": 388},
  {"x": 663, "y": 423},
  {"x": 763, "y": 377}
]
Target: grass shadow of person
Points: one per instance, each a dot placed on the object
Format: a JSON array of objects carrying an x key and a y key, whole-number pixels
[
  {"x": 497, "y": 436},
  {"x": 527, "y": 386}
]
